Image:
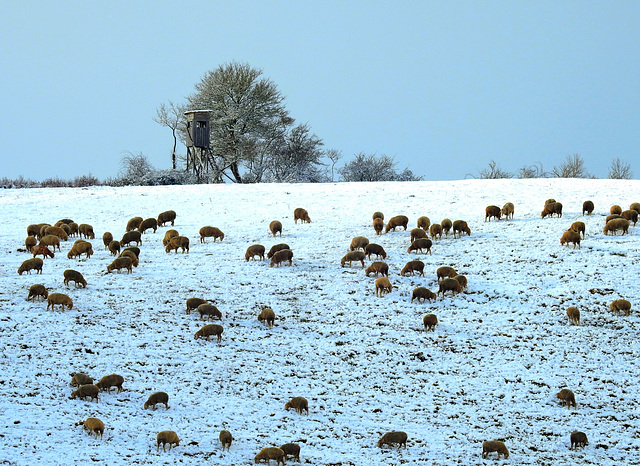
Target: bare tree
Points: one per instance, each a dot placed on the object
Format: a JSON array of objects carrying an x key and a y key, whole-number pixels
[
  {"x": 171, "y": 115},
  {"x": 374, "y": 168},
  {"x": 134, "y": 167},
  {"x": 532, "y": 171},
  {"x": 492, "y": 172},
  {"x": 334, "y": 155},
  {"x": 620, "y": 170},
  {"x": 573, "y": 167}
]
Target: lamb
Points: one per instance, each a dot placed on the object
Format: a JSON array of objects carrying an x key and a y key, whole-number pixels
[
  {"x": 587, "y": 207},
  {"x": 631, "y": 215},
  {"x": 379, "y": 215},
  {"x": 86, "y": 230},
  {"x": 422, "y": 293},
  {"x": 114, "y": 247},
  {"x": 41, "y": 249},
  {"x": 209, "y": 310},
  {"x": 50, "y": 240},
  {"x": 122, "y": 262},
  {"x": 580, "y": 227},
  {"x": 446, "y": 226},
  {"x": 494, "y": 445},
  {"x": 133, "y": 223},
  {"x": 275, "y": 248},
  {"x": 30, "y": 264},
  {"x": 353, "y": 256},
  {"x": 111, "y": 380},
  {"x": 460, "y": 227},
  {"x": 194, "y": 303},
  {"x": 302, "y": 215},
  {"x": 621, "y": 305},
  {"x": 155, "y": 398},
  {"x": 59, "y": 298},
  {"x": 281, "y": 256},
  {"x": 635, "y": 206},
  {"x": 570, "y": 236},
  {"x": 359, "y": 242},
  {"x": 413, "y": 266},
  {"x": 392, "y": 438},
  {"x": 430, "y": 321},
  {"x": 291, "y": 449},
  {"x": 275, "y": 227},
  {"x": 167, "y": 436},
  {"x": 133, "y": 236},
  {"x": 567, "y": 397},
  {"x": 615, "y": 225},
  {"x": 268, "y": 316},
  {"x": 107, "y": 237},
  {"x": 378, "y": 225},
  {"x": 435, "y": 230},
  {"x": 492, "y": 211},
  {"x": 164, "y": 217},
  {"x": 71, "y": 275},
  {"x": 552, "y": 208},
  {"x": 578, "y": 439},
  {"x": 178, "y": 242},
  {"x": 449, "y": 284},
  {"x": 462, "y": 280},
  {"x": 507, "y": 210},
  {"x": 424, "y": 223},
  {"x": 93, "y": 425},
  {"x": 299, "y": 403},
  {"x": 148, "y": 224},
  {"x": 377, "y": 268},
  {"x": 383, "y": 286},
  {"x": 443, "y": 272},
  {"x": 417, "y": 233},
  {"x": 615, "y": 209},
  {"x": 84, "y": 391},
  {"x": 208, "y": 232},
  {"x": 254, "y": 250},
  {"x": 79, "y": 248},
  {"x": 209, "y": 330},
  {"x": 574, "y": 314},
  {"x": 131, "y": 255},
  {"x": 421, "y": 245},
  {"x": 37, "y": 290},
  {"x": 397, "y": 221},
  {"x": 168, "y": 235},
  {"x": 270, "y": 453},
  {"x": 80, "y": 378},
  {"x": 225, "y": 439},
  {"x": 59, "y": 232},
  {"x": 31, "y": 241},
  {"x": 373, "y": 248}
]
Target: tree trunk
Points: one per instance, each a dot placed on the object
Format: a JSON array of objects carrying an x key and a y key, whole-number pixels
[{"x": 234, "y": 170}]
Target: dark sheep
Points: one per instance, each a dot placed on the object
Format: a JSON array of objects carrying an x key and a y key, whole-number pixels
[
  {"x": 148, "y": 224},
  {"x": 131, "y": 237},
  {"x": 587, "y": 207},
  {"x": 460, "y": 227},
  {"x": 424, "y": 223},
  {"x": 284, "y": 255},
  {"x": 422, "y": 294},
  {"x": 413, "y": 266},
  {"x": 353, "y": 256},
  {"x": 397, "y": 221},
  {"x": 373, "y": 248},
  {"x": 449, "y": 284},
  {"x": 164, "y": 217},
  {"x": 275, "y": 248},
  {"x": 377, "y": 268},
  {"x": 492, "y": 211},
  {"x": 302, "y": 215},
  {"x": 421, "y": 245},
  {"x": 275, "y": 227}
]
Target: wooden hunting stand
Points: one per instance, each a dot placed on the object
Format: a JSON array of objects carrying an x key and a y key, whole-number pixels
[{"x": 199, "y": 155}]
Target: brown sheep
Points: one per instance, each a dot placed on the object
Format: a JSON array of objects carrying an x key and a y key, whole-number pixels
[
  {"x": 41, "y": 250},
  {"x": 422, "y": 293},
  {"x": 168, "y": 235},
  {"x": 615, "y": 225},
  {"x": 574, "y": 314},
  {"x": 490, "y": 446},
  {"x": 392, "y": 438},
  {"x": 209, "y": 310},
  {"x": 460, "y": 227},
  {"x": 552, "y": 208},
  {"x": 120, "y": 263},
  {"x": 424, "y": 223},
  {"x": 155, "y": 398},
  {"x": 93, "y": 425},
  {"x": 254, "y": 250},
  {"x": 446, "y": 225},
  {"x": 449, "y": 284},
  {"x": 378, "y": 225},
  {"x": 133, "y": 223},
  {"x": 353, "y": 256},
  {"x": 298, "y": 403},
  {"x": 413, "y": 266},
  {"x": 275, "y": 248},
  {"x": 373, "y": 248},
  {"x": 131, "y": 237},
  {"x": 133, "y": 249},
  {"x": 587, "y": 207},
  {"x": 210, "y": 330},
  {"x": 302, "y": 215},
  {"x": 37, "y": 290},
  {"x": 193, "y": 303},
  {"x": 59, "y": 298},
  {"x": 111, "y": 380},
  {"x": 443, "y": 272},
  {"x": 86, "y": 230},
  {"x": 430, "y": 321},
  {"x": 284, "y": 255},
  {"x": 379, "y": 215},
  {"x": 267, "y": 316},
  {"x": 43, "y": 227},
  {"x": 630, "y": 215},
  {"x": 71, "y": 275},
  {"x": 567, "y": 397},
  {"x": 79, "y": 248},
  {"x": 31, "y": 241},
  {"x": 421, "y": 245},
  {"x": 107, "y": 237},
  {"x": 615, "y": 209},
  {"x": 270, "y": 453},
  {"x": 492, "y": 211},
  {"x": 51, "y": 240},
  {"x": 114, "y": 247},
  {"x": 208, "y": 232},
  {"x": 84, "y": 391},
  {"x": 462, "y": 280},
  {"x": 383, "y": 286},
  {"x": 417, "y": 233},
  {"x": 578, "y": 439},
  {"x": 165, "y": 217},
  {"x": 635, "y": 206},
  {"x": 73, "y": 229},
  {"x": 80, "y": 378},
  {"x": 30, "y": 264},
  {"x": 397, "y": 221},
  {"x": 34, "y": 229},
  {"x": 292, "y": 450},
  {"x": 508, "y": 210},
  {"x": 621, "y": 305},
  {"x": 570, "y": 236},
  {"x": 131, "y": 255},
  {"x": 435, "y": 230},
  {"x": 225, "y": 439},
  {"x": 377, "y": 268},
  {"x": 59, "y": 232},
  {"x": 611, "y": 217},
  {"x": 580, "y": 227},
  {"x": 359, "y": 242},
  {"x": 178, "y": 242},
  {"x": 167, "y": 436},
  {"x": 148, "y": 224},
  {"x": 275, "y": 227}
]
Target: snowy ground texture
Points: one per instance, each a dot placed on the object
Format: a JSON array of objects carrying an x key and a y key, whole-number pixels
[{"x": 490, "y": 370}]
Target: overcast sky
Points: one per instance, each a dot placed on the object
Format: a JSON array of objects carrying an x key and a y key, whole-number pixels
[{"x": 442, "y": 86}]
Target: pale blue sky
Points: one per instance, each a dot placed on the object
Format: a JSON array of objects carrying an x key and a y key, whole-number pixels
[{"x": 442, "y": 86}]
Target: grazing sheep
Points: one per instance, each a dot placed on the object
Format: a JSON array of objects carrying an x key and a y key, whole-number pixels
[
  {"x": 43, "y": 227},
  {"x": 178, "y": 242},
  {"x": 373, "y": 248},
  {"x": 275, "y": 227},
  {"x": 41, "y": 250},
  {"x": 168, "y": 235},
  {"x": 621, "y": 305},
  {"x": 615, "y": 225},
  {"x": 134, "y": 250},
  {"x": 422, "y": 293},
  {"x": 111, "y": 380},
  {"x": 275, "y": 248},
  {"x": 574, "y": 314},
  {"x": 552, "y": 208},
  {"x": 71, "y": 275},
  {"x": 118, "y": 263},
  {"x": 73, "y": 229},
  {"x": 492, "y": 211},
  {"x": 208, "y": 232},
  {"x": 131, "y": 255},
  {"x": 383, "y": 286},
  {"x": 80, "y": 378},
  {"x": 635, "y": 206},
  {"x": 164, "y": 217},
  {"x": 615, "y": 209},
  {"x": 570, "y": 236},
  {"x": 84, "y": 391},
  {"x": 379, "y": 215},
  {"x": 359, "y": 242},
  {"x": 353, "y": 256},
  {"x": 421, "y": 245},
  {"x": 50, "y": 240},
  {"x": 148, "y": 224},
  {"x": 37, "y": 290},
  {"x": 133, "y": 223},
  {"x": 446, "y": 226},
  {"x": 435, "y": 230},
  {"x": 59, "y": 232},
  {"x": 494, "y": 445},
  {"x": 462, "y": 280},
  {"x": 378, "y": 225},
  {"x": 567, "y": 397},
  {"x": 443, "y": 272},
  {"x": 79, "y": 248},
  {"x": 424, "y": 223},
  {"x": 449, "y": 284},
  {"x": 611, "y": 217},
  {"x": 508, "y": 210},
  {"x": 460, "y": 227},
  {"x": 225, "y": 439},
  {"x": 209, "y": 310},
  {"x": 430, "y": 321},
  {"x": 155, "y": 398},
  {"x": 254, "y": 250},
  {"x": 132, "y": 237},
  {"x": 413, "y": 266},
  {"x": 114, "y": 247},
  {"x": 580, "y": 227},
  {"x": 417, "y": 233},
  {"x": 194, "y": 303},
  {"x": 377, "y": 268},
  {"x": 578, "y": 439},
  {"x": 59, "y": 298},
  {"x": 281, "y": 256},
  {"x": 30, "y": 264},
  {"x": 392, "y": 438},
  {"x": 270, "y": 453},
  {"x": 86, "y": 230},
  {"x": 93, "y": 425},
  {"x": 292, "y": 450},
  {"x": 631, "y": 215},
  {"x": 167, "y": 436},
  {"x": 587, "y": 207},
  {"x": 397, "y": 221},
  {"x": 107, "y": 237},
  {"x": 31, "y": 241},
  {"x": 34, "y": 229},
  {"x": 299, "y": 403},
  {"x": 267, "y": 316},
  {"x": 210, "y": 330},
  {"x": 302, "y": 215}
]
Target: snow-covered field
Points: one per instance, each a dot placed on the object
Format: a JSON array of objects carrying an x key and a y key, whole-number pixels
[{"x": 490, "y": 370}]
